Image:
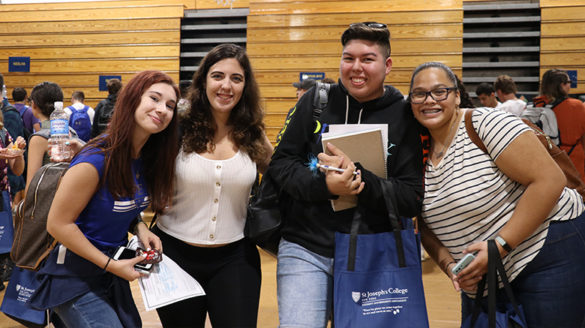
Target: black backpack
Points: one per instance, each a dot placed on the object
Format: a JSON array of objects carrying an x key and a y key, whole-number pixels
[{"x": 103, "y": 116}]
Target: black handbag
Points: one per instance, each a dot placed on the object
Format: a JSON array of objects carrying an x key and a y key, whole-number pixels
[{"x": 264, "y": 219}]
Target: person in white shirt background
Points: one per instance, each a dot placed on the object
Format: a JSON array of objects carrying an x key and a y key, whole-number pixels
[
  {"x": 77, "y": 98},
  {"x": 506, "y": 90},
  {"x": 487, "y": 95},
  {"x": 222, "y": 148}
]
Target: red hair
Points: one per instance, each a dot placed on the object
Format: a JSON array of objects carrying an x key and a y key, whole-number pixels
[{"x": 158, "y": 154}]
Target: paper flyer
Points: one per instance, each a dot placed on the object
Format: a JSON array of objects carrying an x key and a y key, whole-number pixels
[{"x": 167, "y": 283}]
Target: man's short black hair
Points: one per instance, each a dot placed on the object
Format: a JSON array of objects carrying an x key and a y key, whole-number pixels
[
  {"x": 19, "y": 94},
  {"x": 485, "y": 89},
  {"x": 371, "y": 31}
]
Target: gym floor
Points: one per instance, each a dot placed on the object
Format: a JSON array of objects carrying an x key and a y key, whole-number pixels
[{"x": 442, "y": 300}]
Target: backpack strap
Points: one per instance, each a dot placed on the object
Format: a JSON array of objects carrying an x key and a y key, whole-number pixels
[
  {"x": 73, "y": 109},
  {"x": 24, "y": 110},
  {"x": 572, "y": 148},
  {"x": 471, "y": 131},
  {"x": 320, "y": 99},
  {"x": 3, "y": 134},
  {"x": 45, "y": 133},
  {"x": 556, "y": 102}
]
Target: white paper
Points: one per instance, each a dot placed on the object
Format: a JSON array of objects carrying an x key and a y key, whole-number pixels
[
  {"x": 134, "y": 243},
  {"x": 167, "y": 283}
]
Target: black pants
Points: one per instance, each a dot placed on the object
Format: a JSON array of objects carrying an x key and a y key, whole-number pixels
[{"x": 230, "y": 276}]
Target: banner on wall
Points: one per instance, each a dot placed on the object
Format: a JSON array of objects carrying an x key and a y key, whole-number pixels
[
  {"x": 19, "y": 64},
  {"x": 104, "y": 81},
  {"x": 573, "y": 76},
  {"x": 311, "y": 76}
]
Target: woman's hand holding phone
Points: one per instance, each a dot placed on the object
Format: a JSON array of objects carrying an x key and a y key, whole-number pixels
[
  {"x": 468, "y": 277},
  {"x": 124, "y": 264},
  {"x": 148, "y": 238}
]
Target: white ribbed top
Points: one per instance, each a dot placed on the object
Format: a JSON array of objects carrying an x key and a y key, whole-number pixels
[{"x": 211, "y": 198}]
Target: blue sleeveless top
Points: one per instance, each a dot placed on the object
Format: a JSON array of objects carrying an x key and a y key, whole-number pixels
[{"x": 105, "y": 221}]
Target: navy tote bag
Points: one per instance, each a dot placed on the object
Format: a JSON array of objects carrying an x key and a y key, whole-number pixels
[
  {"x": 16, "y": 302},
  {"x": 377, "y": 279},
  {"x": 6, "y": 226}
]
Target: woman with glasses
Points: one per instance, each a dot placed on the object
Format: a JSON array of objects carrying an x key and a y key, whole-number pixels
[
  {"x": 554, "y": 91},
  {"x": 515, "y": 193}
]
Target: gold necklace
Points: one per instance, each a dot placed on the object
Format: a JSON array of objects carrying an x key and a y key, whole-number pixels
[{"x": 438, "y": 155}]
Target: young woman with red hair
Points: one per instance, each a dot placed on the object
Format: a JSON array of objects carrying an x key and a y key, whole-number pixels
[{"x": 109, "y": 182}]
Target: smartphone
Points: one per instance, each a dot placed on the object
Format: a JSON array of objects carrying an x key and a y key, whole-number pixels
[
  {"x": 462, "y": 264},
  {"x": 123, "y": 253}
]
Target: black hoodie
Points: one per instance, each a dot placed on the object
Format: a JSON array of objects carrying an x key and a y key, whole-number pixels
[{"x": 310, "y": 220}]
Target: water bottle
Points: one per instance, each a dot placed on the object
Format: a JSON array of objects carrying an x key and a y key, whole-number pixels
[
  {"x": 4, "y": 100},
  {"x": 59, "y": 140}
]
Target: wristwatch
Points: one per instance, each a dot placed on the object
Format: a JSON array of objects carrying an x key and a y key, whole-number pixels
[{"x": 503, "y": 243}]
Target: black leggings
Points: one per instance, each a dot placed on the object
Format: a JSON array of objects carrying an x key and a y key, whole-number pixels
[{"x": 230, "y": 276}]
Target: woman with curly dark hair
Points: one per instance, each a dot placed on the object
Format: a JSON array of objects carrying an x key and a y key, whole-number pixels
[{"x": 223, "y": 146}]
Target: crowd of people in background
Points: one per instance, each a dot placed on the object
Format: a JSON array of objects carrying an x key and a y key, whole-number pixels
[{"x": 192, "y": 156}]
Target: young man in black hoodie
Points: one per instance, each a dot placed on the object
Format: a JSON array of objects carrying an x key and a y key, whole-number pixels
[{"x": 305, "y": 257}]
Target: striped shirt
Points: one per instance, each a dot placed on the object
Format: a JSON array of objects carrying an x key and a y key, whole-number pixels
[{"x": 468, "y": 199}]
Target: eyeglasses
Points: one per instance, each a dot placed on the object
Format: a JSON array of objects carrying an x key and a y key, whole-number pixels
[
  {"x": 439, "y": 94},
  {"x": 370, "y": 24}
]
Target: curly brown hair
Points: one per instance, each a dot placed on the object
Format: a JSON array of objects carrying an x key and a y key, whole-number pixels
[{"x": 246, "y": 118}]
